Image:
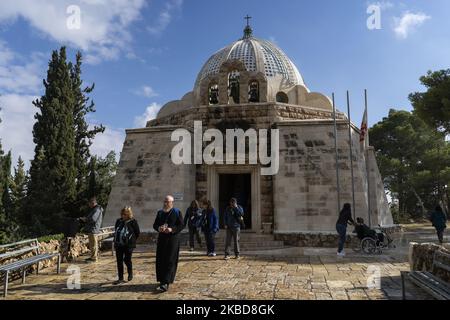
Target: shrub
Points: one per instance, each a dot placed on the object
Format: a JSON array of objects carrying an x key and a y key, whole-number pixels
[{"x": 58, "y": 237}]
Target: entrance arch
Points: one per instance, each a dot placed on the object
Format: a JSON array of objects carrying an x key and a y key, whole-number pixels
[{"x": 253, "y": 174}]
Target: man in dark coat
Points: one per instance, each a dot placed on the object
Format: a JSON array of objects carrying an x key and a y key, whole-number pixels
[
  {"x": 439, "y": 220},
  {"x": 93, "y": 223},
  {"x": 169, "y": 224}
]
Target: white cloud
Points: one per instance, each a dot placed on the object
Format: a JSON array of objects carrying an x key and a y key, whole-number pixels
[
  {"x": 19, "y": 78},
  {"x": 150, "y": 114},
  {"x": 408, "y": 23},
  {"x": 103, "y": 32},
  {"x": 165, "y": 17},
  {"x": 16, "y": 128},
  {"x": 110, "y": 140},
  {"x": 146, "y": 91},
  {"x": 19, "y": 87}
]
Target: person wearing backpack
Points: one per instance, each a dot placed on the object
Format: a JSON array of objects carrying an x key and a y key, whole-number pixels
[
  {"x": 193, "y": 220},
  {"x": 125, "y": 236}
]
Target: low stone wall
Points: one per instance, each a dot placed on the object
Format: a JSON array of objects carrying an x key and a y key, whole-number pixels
[
  {"x": 316, "y": 240},
  {"x": 421, "y": 258},
  {"x": 325, "y": 239}
]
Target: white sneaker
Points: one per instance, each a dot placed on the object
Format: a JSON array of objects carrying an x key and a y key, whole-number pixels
[
  {"x": 213, "y": 254},
  {"x": 341, "y": 254}
]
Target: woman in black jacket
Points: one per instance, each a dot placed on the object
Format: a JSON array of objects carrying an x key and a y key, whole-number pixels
[
  {"x": 125, "y": 236},
  {"x": 345, "y": 218}
]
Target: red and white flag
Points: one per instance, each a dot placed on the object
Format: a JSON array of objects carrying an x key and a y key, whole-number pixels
[{"x": 364, "y": 132}]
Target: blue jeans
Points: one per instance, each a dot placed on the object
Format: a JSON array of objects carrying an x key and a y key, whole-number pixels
[
  {"x": 342, "y": 231},
  {"x": 210, "y": 242}
]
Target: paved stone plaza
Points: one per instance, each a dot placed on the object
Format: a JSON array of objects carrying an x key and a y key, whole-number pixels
[{"x": 291, "y": 273}]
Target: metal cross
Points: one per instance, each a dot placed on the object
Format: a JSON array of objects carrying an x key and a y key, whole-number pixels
[{"x": 248, "y": 20}]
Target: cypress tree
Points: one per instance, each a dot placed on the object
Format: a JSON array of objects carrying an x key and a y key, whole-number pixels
[
  {"x": 52, "y": 187},
  {"x": 92, "y": 187},
  {"x": 84, "y": 136}
]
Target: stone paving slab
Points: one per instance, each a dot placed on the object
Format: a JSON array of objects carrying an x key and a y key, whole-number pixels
[{"x": 290, "y": 273}]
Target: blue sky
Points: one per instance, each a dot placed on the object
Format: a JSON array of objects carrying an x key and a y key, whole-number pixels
[{"x": 142, "y": 54}]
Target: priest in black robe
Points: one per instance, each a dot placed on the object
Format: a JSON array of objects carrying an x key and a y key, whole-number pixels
[{"x": 169, "y": 224}]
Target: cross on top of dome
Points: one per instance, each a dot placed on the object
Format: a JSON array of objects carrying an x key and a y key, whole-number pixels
[
  {"x": 248, "y": 31},
  {"x": 248, "y": 20}
]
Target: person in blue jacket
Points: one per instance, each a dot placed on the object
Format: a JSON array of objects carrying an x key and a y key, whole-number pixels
[
  {"x": 210, "y": 227},
  {"x": 234, "y": 220},
  {"x": 193, "y": 220},
  {"x": 439, "y": 220}
]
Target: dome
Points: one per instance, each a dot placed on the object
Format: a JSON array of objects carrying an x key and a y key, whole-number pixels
[{"x": 257, "y": 55}]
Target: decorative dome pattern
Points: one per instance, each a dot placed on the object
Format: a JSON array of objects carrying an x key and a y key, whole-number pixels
[{"x": 257, "y": 55}]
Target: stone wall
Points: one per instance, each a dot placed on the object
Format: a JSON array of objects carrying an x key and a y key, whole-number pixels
[
  {"x": 324, "y": 239},
  {"x": 305, "y": 189},
  {"x": 302, "y": 197},
  {"x": 262, "y": 115},
  {"x": 258, "y": 116},
  {"x": 314, "y": 240},
  {"x": 421, "y": 259},
  {"x": 146, "y": 174},
  {"x": 380, "y": 210}
]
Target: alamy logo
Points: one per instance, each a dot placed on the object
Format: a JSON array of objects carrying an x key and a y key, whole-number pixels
[
  {"x": 373, "y": 277},
  {"x": 374, "y": 20},
  {"x": 236, "y": 139},
  {"x": 74, "y": 19},
  {"x": 74, "y": 279}
]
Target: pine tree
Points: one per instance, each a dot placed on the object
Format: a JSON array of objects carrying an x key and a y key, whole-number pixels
[
  {"x": 19, "y": 188},
  {"x": 102, "y": 173},
  {"x": 52, "y": 187},
  {"x": 106, "y": 168},
  {"x": 6, "y": 189},
  {"x": 83, "y": 134}
]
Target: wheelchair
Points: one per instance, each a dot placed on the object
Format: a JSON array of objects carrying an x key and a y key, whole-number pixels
[{"x": 375, "y": 243}]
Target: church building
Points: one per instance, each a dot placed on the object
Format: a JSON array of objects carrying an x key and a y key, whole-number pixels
[{"x": 251, "y": 83}]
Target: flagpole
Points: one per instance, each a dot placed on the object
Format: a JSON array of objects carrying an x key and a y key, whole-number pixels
[
  {"x": 338, "y": 185},
  {"x": 351, "y": 154},
  {"x": 366, "y": 153}
]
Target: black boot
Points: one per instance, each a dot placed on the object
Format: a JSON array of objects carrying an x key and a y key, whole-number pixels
[
  {"x": 163, "y": 287},
  {"x": 120, "y": 281}
]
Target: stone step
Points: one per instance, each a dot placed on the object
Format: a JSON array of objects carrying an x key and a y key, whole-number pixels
[
  {"x": 248, "y": 245},
  {"x": 243, "y": 249},
  {"x": 244, "y": 237},
  {"x": 254, "y": 244},
  {"x": 249, "y": 242}
]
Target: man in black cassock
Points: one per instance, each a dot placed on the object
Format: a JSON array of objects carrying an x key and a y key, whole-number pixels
[{"x": 169, "y": 224}]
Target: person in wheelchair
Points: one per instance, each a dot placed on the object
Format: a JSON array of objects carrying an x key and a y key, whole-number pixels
[{"x": 363, "y": 231}]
